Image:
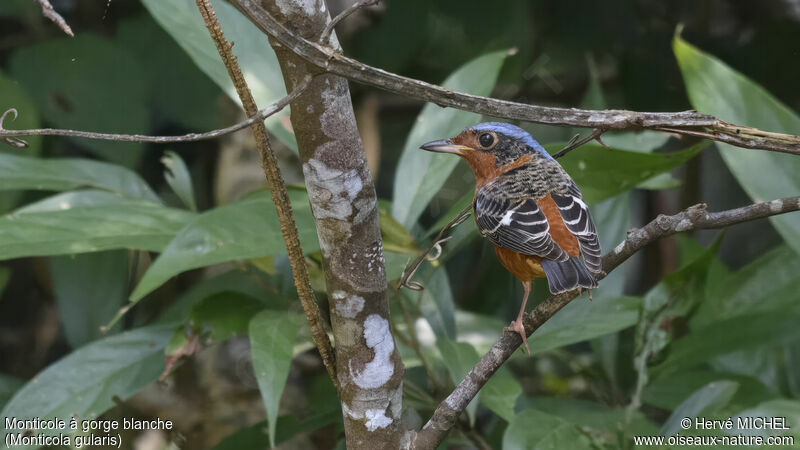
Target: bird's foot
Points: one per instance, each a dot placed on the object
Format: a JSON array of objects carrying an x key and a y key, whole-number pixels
[{"x": 516, "y": 327}]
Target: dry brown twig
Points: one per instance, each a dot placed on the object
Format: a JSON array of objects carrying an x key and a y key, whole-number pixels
[{"x": 50, "y": 13}]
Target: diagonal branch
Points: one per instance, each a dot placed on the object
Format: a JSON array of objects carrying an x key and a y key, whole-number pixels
[
  {"x": 50, "y": 13},
  {"x": 9, "y": 136},
  {"x": 278, "y": 191},
  {"x": 684, "y": 122},
  {"x": 693, "y": 218}
]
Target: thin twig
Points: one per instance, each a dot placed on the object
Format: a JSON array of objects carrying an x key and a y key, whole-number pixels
[
  {"x": 692, "y": 218},
  {"x": 411, "y": 269},
  {"x": 684, "y": 122},
  {"x": 262, "y": 114},
  {"x": 278, "y": 191},
  {"x": 325, "y": 37},
  {"x": 50, "y": 13},
  {"x": 574, "y": 143}
]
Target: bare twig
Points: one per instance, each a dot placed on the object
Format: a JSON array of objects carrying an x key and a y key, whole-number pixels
[
  {"x": 684, "y": 122},
  {"x": 7, "y": 135},
  {"x": 50, "y": 13},
  {"x": 692, "y": 218},
  {"x": 278, "y": 191},
  {"x": 411, "y": 269},
  {"x": 575, "y": 143},
  {"x": 324, "y": 39}
]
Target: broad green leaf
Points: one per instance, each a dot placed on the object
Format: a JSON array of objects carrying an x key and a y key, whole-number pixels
[
  {"x": 62, "y": 174},
  {"x": 14, "y": 95},
  {"x": 89, "y": 289},
  {"x": 87, "y": 83},
  {"x": 8, "y": 386},
  {"x": 500, "y": 393},
  {"x": 583, "y": 319},
  {"x": 788, "y": 409},
  {"x": 420, "y": 174},
  {"x": 752, "y": 330},
  {"x": 394, "y": 235},
  {"x": 460, "y": 358},
  {"x": 584, "y": 413},
  {"x": 714, "y": 88},
  {"x": 88, "y": 221},
  {"x": 668, "y": 392},
  {"x": 636, "y": 141},
  {"x": 768, "y": 283},
  {"x": 437, "y": 305},
  {"x": 84, "y": 383},
  {"x": 272, "y": 336},
  {"x": 702, "y": 403},
  {"x": 225, "y": 315},
  {"x": 178, "y": 178},
  {"x": 182, "y": 20},
  {"x": 536, "y": 430},
  {"x": 242, "y": 230},
  {"x": 602, "y": 173}
]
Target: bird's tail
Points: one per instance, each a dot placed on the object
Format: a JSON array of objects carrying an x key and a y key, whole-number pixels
[{"x": 567, "y": 275}]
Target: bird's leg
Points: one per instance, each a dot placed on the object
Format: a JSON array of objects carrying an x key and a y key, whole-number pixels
[{"x": 516, "y": 325}]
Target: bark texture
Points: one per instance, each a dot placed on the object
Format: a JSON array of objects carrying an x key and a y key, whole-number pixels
[{"x": 344, "y": 204}]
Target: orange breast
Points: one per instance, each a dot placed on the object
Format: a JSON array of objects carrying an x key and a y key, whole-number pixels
[{"x": 528, "y": 267}]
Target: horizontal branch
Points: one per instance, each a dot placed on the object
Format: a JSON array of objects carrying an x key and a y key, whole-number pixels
[
  {"x": 693, "y": 218},
  {"x": 10, "y": 136},
  {"x": 684, "y": 122}
]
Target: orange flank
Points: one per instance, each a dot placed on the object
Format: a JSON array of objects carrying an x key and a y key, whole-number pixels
[{"x": 528, "y": 267}]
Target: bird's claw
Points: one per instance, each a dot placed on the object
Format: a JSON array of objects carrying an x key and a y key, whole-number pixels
[{"x": 517, "y": 327}]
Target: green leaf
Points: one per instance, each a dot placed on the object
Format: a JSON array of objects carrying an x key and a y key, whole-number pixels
[
  {"x": 500, "y": 394},
  {"x": 12, "y": 95},
  {"x": 714, "y": 88},
  {"x": 584, "y": 413},
  {"x": 88, "y": 221},
  {"x": 182, "y": 20},
  {"x": 225, "y": 314},
  {"x": 668, "y": 392},
  {"x": 603, "y": 173},
  {"x": 272, "y": 336},
  {"x": 242, "y": 230},
  {"x": 703, "y": 402},
  {"x": 89, "y": 290},
  {"x": 536, "y": 430},
  {"x": 788, "y": 409},
  {"x": 437, "y": 305},
  {"x": 582, "y": 319},
  {"x": 751, "y": 331},
  {"x": 8, "y": 386},
  {"x": 420, "y": 174},
  {"x": 178, "y": 178},
  {"x": 460, "y": 358},
  {"x": 62, "y": 174},
  {"x": 768, "y": 283},
  {"x": 87, "y": 83},
  {"x": 84, "y": 383}
]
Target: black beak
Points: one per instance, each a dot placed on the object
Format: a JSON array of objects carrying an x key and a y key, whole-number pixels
[{"x": 445, "y": 146}]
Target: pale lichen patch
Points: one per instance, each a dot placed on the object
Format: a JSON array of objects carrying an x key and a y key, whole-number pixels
[
  {"x": 683, "y": 225},
  {"x": 376, "y": 418},
  {"x": 378, "y": 337},
  {"x": 775, "y": 206},
  {"x": 348, "y": 306},
  {"x": 329, "y": 190}
]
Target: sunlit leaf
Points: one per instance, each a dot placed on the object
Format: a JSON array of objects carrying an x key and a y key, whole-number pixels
[
  {"x": 88, "y": 221},
  {"x": 714, "y": 88},
  {"x": 62, "y": 174},
  {"x": 242, "y": 230},
  {"x": 420, "y": 174},
  {"x": 85, "y": 383},
  {"x": 178, "y": 178},
  {"x": 272, "y": 336}
]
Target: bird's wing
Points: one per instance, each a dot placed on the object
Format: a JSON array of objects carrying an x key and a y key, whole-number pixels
[
  {"x": 579, "y": 222},
  {"x": 517, "y": 224}
]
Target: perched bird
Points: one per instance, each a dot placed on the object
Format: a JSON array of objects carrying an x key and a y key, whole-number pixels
[{"x": 529, "y": 208}]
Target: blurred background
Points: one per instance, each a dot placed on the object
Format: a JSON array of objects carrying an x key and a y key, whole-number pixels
[{"x": 127, "y": 70}]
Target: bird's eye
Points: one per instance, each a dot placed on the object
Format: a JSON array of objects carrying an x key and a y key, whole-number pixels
[{"x": 486, "y": 140}]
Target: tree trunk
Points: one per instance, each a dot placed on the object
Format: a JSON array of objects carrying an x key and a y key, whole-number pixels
[{"x": 344, "y": 204}]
